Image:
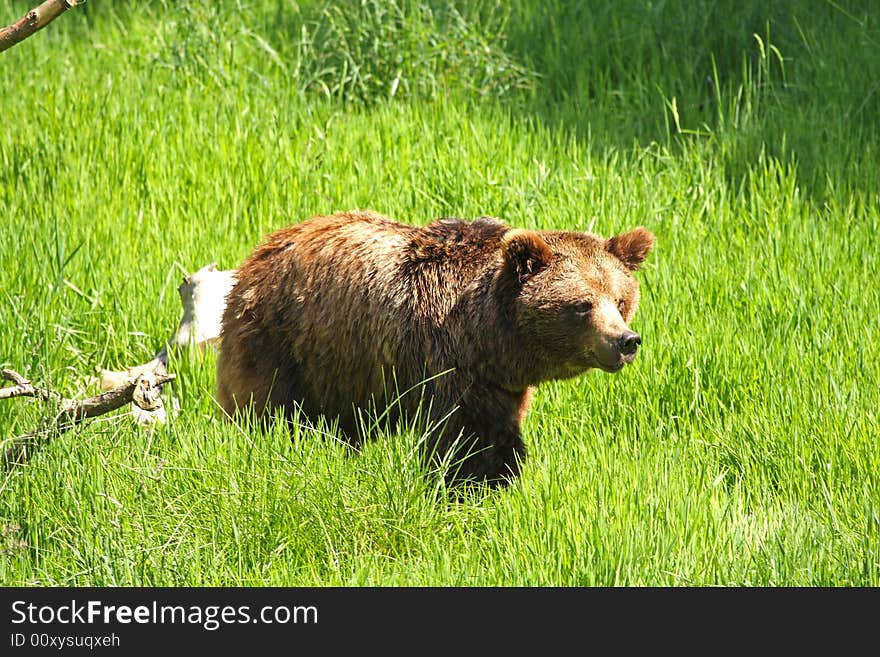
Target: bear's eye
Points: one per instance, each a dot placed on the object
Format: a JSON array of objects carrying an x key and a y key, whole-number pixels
[
  {"x": 583, "y": 308},
  {"x": 621, "y": 306}
]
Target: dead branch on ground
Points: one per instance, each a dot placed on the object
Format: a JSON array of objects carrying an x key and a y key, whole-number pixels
[
  {"x": 203, "y": 296},
  {"x": 143, "y": 392}
]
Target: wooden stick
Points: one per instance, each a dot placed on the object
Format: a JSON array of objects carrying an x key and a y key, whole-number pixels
[
  {"x": 23, "y": 388},
  {"x": 36, "y": 19},
  {"x": 203, "y": 295},
  {"x": 143, "y": 391}
]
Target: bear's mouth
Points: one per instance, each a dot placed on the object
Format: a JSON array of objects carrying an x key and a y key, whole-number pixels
[
  {"x": 616, "y": 367},
  {"x": 617, "y": 364}
]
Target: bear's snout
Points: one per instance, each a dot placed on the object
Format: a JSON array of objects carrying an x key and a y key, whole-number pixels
[
  {"x": 612, "y": 352},
  {"x": 628, "y": 343}
]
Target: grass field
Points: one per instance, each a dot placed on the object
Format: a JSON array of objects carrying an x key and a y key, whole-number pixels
[{"x": 140, "y": 141}]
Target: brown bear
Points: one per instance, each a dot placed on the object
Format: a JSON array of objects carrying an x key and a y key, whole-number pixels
[{"x": 343, "y": 313}]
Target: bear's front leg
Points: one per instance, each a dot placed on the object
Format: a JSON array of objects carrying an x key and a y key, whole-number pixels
[{"x": 481, "y": 439}]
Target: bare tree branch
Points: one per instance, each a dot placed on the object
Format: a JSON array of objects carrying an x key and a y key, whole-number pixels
[
  {"x": 36, "y": 19},
  {"x": 203, "y": 295},
  {"x": 23, "y": 388},
  {"x": 143, "y": 391}
]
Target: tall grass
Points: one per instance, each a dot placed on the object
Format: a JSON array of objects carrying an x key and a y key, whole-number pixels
[{"x": 143, "y": 140}]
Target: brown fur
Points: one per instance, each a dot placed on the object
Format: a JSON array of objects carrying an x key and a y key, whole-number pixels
[{"x": 337, "y": 313}]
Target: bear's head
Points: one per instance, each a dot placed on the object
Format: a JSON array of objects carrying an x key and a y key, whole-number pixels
[{"x": 574, "y": 295}]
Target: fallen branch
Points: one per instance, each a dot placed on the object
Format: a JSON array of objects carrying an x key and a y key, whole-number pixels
[
  {"x": 142, "y": 391},
  {"x": 36, "y": 19},
  {"x": 23, "y": 388},
  {"x": 203, "y": 296}
]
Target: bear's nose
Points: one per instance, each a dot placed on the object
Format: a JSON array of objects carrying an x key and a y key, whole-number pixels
[{"x": 629, "y": 342}]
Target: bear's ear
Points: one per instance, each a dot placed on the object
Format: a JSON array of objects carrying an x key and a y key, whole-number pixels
[
  {"x": 525, "y": 253},
  {"x": 631, "y": 248}
]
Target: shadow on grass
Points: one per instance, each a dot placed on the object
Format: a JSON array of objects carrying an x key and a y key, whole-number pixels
[{"x": 796, "y": 81}]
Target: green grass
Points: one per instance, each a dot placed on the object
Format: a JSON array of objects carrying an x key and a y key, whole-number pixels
[{"x": 140, "y": 141}]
